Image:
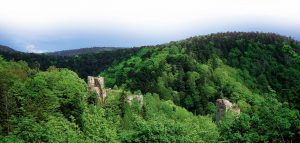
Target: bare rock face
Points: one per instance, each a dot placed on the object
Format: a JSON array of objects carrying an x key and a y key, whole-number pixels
[
  {"x": 223, "y": 105},
  {"x": 97, "y": 84}
]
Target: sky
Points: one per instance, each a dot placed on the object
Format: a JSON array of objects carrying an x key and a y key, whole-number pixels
[{"x": 53, "y": 25}]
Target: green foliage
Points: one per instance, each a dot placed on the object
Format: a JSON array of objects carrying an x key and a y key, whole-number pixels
[
  {"x": 289, "y": 50},
  {"x": 83, "y": 64},
  {"x": 180, "y": 81},
  {"x": 11, "y": 139},
  {"x": 165, "y": 122},
  {"x": 29, "y": 130},
  {"x": 269, "y": 121},
  {"x": 242, "y": 67},
  {"x": 60, "y": 130},
  {"x": 96, "y": 127},
  {"x": 11, "y": 73},
  {"x": 40, "y": 106},
  {"x": 52, "y": 91}
]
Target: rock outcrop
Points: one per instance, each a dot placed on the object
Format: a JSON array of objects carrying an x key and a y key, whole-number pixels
[
  {"x": 97, "y": 84},
  {"x": 223, "y": 105}
]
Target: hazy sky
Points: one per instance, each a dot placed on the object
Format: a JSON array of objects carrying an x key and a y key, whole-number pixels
[{"x": 51, "y": 25}]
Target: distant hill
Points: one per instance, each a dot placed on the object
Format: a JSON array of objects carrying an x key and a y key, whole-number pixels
[
  {"x": 84, "y": 64},
  {"x": 6, "y": 49},
  {"x": 82, "y": 51}
]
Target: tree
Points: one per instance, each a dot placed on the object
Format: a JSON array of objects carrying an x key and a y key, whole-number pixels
[{"x": 95, "y": 126}]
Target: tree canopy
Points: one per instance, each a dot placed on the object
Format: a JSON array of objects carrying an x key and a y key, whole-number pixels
[{"x": 180, "y": 81}]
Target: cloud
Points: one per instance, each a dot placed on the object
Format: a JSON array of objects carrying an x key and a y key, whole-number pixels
[
  {"x": 144, "y": 15},
  {"x": 31, "y": 48},
  {"x": 53, "y": 24}
]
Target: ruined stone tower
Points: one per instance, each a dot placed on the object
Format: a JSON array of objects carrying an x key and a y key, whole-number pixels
[
  {"x": 97, "y": 84},
  {"x": 223, "y": 105}
]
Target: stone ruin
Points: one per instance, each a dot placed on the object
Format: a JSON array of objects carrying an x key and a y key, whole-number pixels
[
  {"x": 223, "y": 105},
  {"x": 97, "y": 84},
  {"x": 139, "y": 98}
]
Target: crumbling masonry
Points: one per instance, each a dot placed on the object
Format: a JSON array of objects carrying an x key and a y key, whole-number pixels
[
  {"x": 97, "y": 84},
  {"x": 223, "y": 105}
]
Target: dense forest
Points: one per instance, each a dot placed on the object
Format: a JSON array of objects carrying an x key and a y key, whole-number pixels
[
  {"x": 83, "y": 64},
  {"x": 6, "y": 49},
  {"x": 82, "y": 51},
  {"x": 258, "y": 71},
  {"x": 180, "y": 81},
  {"x": 55, "y": 106}
]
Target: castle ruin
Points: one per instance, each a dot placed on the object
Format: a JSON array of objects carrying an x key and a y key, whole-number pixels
[
  {"x": 223, "y": 105},
  {"x": 97, "y": 84},
  {"x": 139, "y": 98}
]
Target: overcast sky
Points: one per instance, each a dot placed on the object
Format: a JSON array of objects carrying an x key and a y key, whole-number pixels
[{"x": 51, "y": 25}]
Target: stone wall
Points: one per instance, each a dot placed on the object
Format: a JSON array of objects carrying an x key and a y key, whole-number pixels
[
  {"x": 139, "y": 98},
  {"x": 96, "y": 84}
]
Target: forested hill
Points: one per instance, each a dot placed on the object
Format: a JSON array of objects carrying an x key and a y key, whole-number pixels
[
  {"x": 82, "y": 51},
  {"x": 83, "y": 64},
  {"x": 258, "y": 71},
  {"x": 262, "y": 60},
  {"x": 6, "y": 49}
]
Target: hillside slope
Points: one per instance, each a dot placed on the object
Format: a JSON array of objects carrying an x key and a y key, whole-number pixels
[
  {"x": 55, "y": 106},
  {"x": 258, "y": 71},
  {"x": 6, "y": 49}
]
